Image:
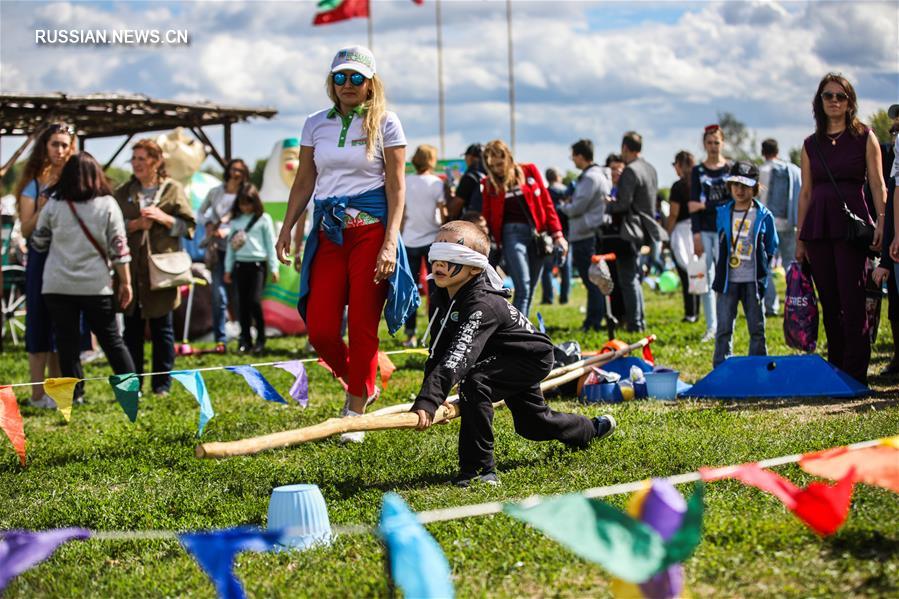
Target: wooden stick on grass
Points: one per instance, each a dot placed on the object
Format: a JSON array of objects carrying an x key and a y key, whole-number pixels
[{"x": 375, "y": 422}]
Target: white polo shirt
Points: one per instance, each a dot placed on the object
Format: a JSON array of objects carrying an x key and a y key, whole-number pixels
[{"x": 339, "y": 151}]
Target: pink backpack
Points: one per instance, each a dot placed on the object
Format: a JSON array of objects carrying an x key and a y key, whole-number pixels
[{"x": 800, "y": 310}]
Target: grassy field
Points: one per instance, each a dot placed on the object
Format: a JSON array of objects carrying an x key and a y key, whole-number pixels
[{"x": 104, "y": 473}]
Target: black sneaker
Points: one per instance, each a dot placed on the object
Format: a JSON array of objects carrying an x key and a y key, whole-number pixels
[
  {"x": 604, "y": 426},
  {"x": 466, "y": 480}
]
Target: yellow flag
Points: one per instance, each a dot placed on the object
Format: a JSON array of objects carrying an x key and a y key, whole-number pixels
[
  {"x": 62, "y": 390},
  {"x": 891, "y": 441}
]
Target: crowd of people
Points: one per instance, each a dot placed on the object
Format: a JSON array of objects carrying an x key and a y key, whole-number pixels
[{"x": 92, "y": 249}]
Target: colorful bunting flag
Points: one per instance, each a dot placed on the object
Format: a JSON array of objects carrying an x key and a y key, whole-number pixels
[
  {"x": 891, "y": 442},
  {"x": 62, "y": 390},
  {"x": 257, "y": 383},
  {"x": 332, "y": 11},
  {"x": 11, "y": 421},
  {"x": 126, "y": 388},
  {"x": 877, "y": 465},
  {"x": 385, "y": 365},
  {"x": 417, "y": 563},
  {"x": 541, "y": 326},
  {"x": 598, "y": 532},
  {"x": 822, "y": 507},
  {"x": 196, "y": 386},
  {"x": 214, "y": 551},
  {"x": 299, "y": 391},
  {"x": 647, "y": 355},
  {"x": 22, "y": 549}
]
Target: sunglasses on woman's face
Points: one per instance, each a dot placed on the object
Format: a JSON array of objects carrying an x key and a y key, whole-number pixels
[
  {"x": 356, "y": 79},
  {"x": 834, "y": 96}
]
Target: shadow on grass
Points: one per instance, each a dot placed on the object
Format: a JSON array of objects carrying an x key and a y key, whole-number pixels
[
  {"x": 875, "y": 401},
  {"x": 873, "y": 546}
]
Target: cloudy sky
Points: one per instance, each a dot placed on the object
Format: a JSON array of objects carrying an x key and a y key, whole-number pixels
[{"x": 583, "y": 69}]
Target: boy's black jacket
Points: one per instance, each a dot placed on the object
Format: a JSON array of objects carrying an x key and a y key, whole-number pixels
[{"x": 480, "y": 325}]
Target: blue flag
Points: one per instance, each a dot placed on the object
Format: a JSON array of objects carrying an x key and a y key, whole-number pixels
[
  {"x": 257, "y": 383},
  {"x": 196, "y": 386},
  {"x": 214, "y": 550},
  {"x": 417, "y": 563},
  {"x": 540, "y": 323}
]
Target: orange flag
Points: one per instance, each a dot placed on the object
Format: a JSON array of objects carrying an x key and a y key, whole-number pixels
[
  {"x": 62, "y": 390},
  {"x": 878, "y": 465},
  {"x": 11, "y": 421},
  {"x": 386, "y": 367}
]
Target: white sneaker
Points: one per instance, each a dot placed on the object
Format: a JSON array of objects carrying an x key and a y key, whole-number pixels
[
  {"x": 709, "y": 336},
  {"x": 354, "y": 437},
  {"x": 45, "y": 402}
]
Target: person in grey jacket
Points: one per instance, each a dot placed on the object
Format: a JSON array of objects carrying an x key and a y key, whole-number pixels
[
  {"x": 83, "y": 230},
  {"x": 585, "y": 213},
  {"x": 637, "y": 191}
]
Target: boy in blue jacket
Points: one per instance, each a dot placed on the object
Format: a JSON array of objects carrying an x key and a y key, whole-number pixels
[{"x": 748, "y": 241}]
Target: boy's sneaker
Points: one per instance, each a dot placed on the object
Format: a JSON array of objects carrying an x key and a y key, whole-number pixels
[
  {"x": 46, "y": 402},
  {"x": 356, "y": 436},
  {"x": 604, "y": 426},
  {"x": 464, "y": 481}
]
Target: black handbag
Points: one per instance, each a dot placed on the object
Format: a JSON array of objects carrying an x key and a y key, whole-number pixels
[{"x": 859, "y": 232}]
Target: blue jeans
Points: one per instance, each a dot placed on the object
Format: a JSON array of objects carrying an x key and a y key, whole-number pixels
[
  {"x": 627, "y": 264},
  {"x": 522, "y": 263},
  {"x": 737, "y": 293},
  {"x": 710, "y": 244},
  {"x": 581, "y": 253},
  {"x": 219, "y": 297},
  {"x": 786, "y": 248},
  {"x": 546, "y": 279}
]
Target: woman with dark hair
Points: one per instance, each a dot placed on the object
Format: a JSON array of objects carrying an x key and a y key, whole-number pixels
[
  {"x": 157, "y": 214},
  {"x": 516, "y": 203},
  {"x": 836, "y": 161},
  {"x": 81, "y": 230},
  {"x": 250, "y": 253},
  {"x": 215, "y": 213},
  {"x": 679, "y": 229},
  {"x": 53, "y": 147}
]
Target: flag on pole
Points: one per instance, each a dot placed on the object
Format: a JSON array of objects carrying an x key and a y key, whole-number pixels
[{"x": 332, "y": 11}]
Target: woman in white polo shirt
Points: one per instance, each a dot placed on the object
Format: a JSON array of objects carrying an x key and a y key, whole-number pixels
[{"x": 352, "y": 159}]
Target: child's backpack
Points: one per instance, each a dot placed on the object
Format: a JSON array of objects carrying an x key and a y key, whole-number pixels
[{"x": 800, "y": 310}]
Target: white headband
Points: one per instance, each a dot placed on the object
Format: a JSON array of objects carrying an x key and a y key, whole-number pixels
[{"x": 460, "y": 254}]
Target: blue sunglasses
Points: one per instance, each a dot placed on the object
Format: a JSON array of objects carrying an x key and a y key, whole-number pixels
[{"x": 356, "y": 79}]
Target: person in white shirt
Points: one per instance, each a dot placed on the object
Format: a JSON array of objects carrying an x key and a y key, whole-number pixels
[{"x": 426, "y": 210}]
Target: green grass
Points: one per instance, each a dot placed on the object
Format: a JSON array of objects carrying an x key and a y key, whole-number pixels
[{"x": 104, "y": 473}]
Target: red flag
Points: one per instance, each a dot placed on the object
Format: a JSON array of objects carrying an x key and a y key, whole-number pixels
[
  {"x": 11, "y": 421},
  {"x": 878, "y": 465},
  {"x": 822, "y": 507},
  {"x": 324, "y": 365},
  {"x": 386, "y": 367},
  {"x": 647, "y": 355},
  {"x": 419, "y": 2},
  {"x": 332, "y": 11}
]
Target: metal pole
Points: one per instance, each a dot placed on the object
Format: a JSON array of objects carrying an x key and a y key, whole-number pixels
[
  {"x": 511, "y": 76},
  {"x": 371, "y": 37},
  {"x": 440, "y": 95}
]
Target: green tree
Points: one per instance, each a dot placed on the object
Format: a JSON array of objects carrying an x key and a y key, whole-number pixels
[
  {"x": 117, "y": 175},
  {"x": 881, "y": 122},
  {"x": 258, "y": 171},
  {"x": 796, "y": 156},
  {"x": 739, "y": 142}
]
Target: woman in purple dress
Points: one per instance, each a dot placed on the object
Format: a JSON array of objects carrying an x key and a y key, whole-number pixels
[{"x": 849, "y": 149}]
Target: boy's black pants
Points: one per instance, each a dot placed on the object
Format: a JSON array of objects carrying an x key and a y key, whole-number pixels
[{"x": 518, "y": 383}]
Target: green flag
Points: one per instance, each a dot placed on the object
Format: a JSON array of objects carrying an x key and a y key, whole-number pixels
[
  {"x": 127, "y": 392},
  {"x": 684, "y": 542}
]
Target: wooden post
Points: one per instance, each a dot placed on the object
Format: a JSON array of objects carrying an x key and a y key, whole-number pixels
[
  {"x": 117, "y": 152},
  {"x": 227, "y": 145}
]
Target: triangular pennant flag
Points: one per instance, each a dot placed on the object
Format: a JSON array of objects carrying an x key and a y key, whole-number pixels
[
  {"x": 647, "y": 355},
  {"x": 598, "y": 533},
  {"x": 891, "y": 442},
  {"x": 877, "y": 465},
  {"x": 22, "y": 549},
  {"x": 126, "y": 388},
  {"x": 417, "y": 563},
  {"x": 299, "y": 391},
  {"x": 540, "y": 324},
  {"x": 215, "y": 550},
  {"x": 257, "y": 383},
  {"x": 332, "y": 11},
  {"x": 11, "y": 421},
  {"x": 62, "y": 390},
  {"x": 196, "y": 386},
  {"x": 327, "y": 367},
  {"x": 385, "y": 365},
  {"x": 822, "y": 507}
]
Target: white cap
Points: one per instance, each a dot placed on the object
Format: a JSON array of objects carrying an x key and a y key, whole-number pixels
[{"x": 354, "y": 58}]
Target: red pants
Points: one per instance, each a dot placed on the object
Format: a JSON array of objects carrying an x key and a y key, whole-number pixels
[{"x": 343, "y": 275}]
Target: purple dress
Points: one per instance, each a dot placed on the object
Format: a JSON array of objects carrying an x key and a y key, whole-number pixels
[{"x": 825, "y": 218}]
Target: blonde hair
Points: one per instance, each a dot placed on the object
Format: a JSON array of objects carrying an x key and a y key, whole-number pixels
[
  {"x": 425, "y": 158},
  {"x": 512, "y": 174},
  {"x": 375, "y": 108}
]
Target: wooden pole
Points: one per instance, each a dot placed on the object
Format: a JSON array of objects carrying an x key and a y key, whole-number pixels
[
  {"x": 370, "y": 422},
  {"x": 12, "y": 159},
  {"x": 117, "y": 152}
]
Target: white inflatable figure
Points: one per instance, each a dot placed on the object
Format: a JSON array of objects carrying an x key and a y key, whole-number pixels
[
  {"x": 184, "y": 155},
  {"x": 279, "y": 300}
]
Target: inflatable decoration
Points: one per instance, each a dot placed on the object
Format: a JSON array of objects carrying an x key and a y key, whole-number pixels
[{"x": 280, "y": 171}]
